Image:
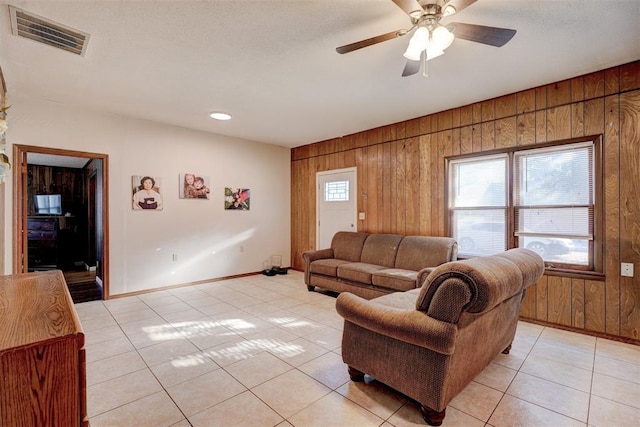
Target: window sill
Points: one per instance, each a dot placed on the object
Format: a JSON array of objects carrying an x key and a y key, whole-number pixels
[
  {"x": 562, "y": 272},
  {"x": 574, "y": 274}
]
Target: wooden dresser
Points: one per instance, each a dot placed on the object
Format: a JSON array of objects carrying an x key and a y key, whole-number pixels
[{"x": 42, "y": 356}]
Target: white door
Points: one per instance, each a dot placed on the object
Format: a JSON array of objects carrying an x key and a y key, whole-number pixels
[{"x": 336, "y": 204}]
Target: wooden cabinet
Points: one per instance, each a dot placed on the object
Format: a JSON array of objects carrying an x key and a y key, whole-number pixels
[
  {"x": 42, "y": 239},
  {"x": 42, "y": 356}
]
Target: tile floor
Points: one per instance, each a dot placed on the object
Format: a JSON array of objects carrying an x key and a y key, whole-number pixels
[{"x": 263, "y": 351}]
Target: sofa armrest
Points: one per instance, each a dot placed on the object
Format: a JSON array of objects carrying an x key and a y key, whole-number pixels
[
  {"x": 422, "y": 275},
  {"x": 407, "y": 325},
  {"x": 310, "y": 256}
]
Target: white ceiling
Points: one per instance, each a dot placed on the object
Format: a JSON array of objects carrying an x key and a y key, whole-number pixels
[{"x": 273, "y": 64}]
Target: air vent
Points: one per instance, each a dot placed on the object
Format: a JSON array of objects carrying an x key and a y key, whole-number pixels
[{"x": 37, "y": 28}]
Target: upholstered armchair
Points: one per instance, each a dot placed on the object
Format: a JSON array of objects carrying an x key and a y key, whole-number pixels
[{"x": 429, "y": 343}]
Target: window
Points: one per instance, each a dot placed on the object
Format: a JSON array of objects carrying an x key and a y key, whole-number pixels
[
  {"x": 336, "y": 191},
  {"x": 543, "y": 198},
  {"x": 479, "y": 204}
]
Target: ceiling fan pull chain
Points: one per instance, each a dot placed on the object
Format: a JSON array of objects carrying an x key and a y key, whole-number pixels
[{"x": 425, "y": 69}]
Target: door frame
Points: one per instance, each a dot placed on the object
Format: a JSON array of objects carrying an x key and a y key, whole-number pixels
[
  {"x": 20, "y": 205},
  {"x": 319, "y": 193}
]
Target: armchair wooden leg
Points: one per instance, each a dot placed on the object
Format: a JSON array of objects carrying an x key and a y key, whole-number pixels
[
  {"x": 355, "y": 375},
  {"x": 507, "y": 350},
  {"x": 311, "y": 288},
  {"x": 433, "y": 418}
]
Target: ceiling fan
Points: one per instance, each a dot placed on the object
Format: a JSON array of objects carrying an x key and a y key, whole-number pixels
[{"x": 430, "y": 38}]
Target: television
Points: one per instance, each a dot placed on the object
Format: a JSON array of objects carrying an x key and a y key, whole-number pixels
[{"x": 48, "y": 204}]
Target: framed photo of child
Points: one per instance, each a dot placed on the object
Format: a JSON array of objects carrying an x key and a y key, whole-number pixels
[
  {"x": 146, "y": 193},
  {"x": 194, "y": 186}
]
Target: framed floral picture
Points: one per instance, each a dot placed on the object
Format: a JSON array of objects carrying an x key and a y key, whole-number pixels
[
  {"x": 194, "y": 186},
  {"x": 146, "y": 193},
  {"x": 237, "y": 199}
]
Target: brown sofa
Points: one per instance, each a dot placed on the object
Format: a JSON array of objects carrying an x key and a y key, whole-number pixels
[
  {"x": 371, "y": 265},
  {"x": 431, "y": 342}
]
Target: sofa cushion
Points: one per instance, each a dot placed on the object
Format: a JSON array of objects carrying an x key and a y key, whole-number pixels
[
  {"x": 348, "y": 245},
  {"x": 395, "y": 278},
  {"x": 358, "y": 272},
  {"x": 381, "y": 249},
  {"x": 326, "y": 267},
  {"x": 418, "y": 252}
]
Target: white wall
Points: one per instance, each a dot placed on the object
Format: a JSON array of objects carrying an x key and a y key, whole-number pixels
[{"x": 205, "y": 237}]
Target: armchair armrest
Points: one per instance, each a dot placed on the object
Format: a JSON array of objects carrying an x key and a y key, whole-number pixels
[{"x": 408, "y": 325}]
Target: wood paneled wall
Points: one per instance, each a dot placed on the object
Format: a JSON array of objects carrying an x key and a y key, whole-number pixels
[{"x": 401, "y": 182}]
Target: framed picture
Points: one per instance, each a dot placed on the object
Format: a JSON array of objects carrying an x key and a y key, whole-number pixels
[
  {"x": 237, "y": 198},
  {"x": 194, "y": 186},
  {"x": 146, "y": 193}
]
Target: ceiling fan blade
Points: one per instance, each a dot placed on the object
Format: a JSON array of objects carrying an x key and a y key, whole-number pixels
[
  {"x": 368, "y": 42},
  {"x": 492, "y": 36},
  {"x": 411, "y": 68},
  {"x": 458, "y": 5},
  {"x": 408, "y": 5}
]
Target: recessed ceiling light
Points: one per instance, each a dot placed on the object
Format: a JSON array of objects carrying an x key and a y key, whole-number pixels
[{"x": 219, "y": 115}]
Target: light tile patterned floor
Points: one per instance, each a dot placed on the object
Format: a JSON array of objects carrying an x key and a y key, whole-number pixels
[{"x": 263, "y": 351}]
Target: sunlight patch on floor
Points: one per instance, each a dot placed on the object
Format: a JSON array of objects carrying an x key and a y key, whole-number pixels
[{"x": 245, "y": 349}]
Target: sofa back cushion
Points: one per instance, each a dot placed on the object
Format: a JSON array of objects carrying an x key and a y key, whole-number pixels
[
  {"x": 348, "y": 245},
  {"x": 381, "y": 249},
  {"x": 418, "y": 252}
]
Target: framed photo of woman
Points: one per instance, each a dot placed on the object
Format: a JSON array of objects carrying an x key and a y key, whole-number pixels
[{"x": 146, "y": 193}]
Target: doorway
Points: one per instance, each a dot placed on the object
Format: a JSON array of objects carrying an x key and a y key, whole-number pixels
[
  {"x": 336, "y": 205},
  {"x": 71, "y": 232}
]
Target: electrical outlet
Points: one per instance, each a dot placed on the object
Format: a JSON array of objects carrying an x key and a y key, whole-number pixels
[
  {"x": 241, "y": 248},
  {"x": 174, "y": 257},
  {"x": 626, "y": 269}
]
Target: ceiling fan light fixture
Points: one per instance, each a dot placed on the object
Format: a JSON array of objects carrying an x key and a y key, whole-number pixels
[
  {"x": 441, "y": 38},
  {"x": 413, "y": 52},
  {"x": 449, "y": 10},
  {"x": 434, "y": 42},
  {"x": 434, "y": 53},
  {"x": 419, "y": 42}
]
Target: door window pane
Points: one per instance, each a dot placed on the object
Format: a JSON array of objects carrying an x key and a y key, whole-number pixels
[{"x": 336, "y": 191}]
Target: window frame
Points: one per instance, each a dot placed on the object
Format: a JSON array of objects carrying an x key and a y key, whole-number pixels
[
  {"x": 595, "y": 267},
  {"x": 327, "y": 191}
]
